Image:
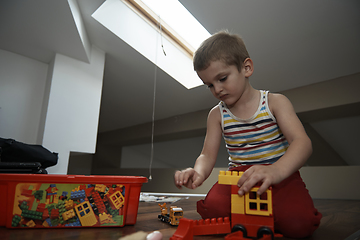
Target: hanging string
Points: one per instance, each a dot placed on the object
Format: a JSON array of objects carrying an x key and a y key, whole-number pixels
[
  {"x": 162, "y": 46},
  {"x": 154, "y": 97}
]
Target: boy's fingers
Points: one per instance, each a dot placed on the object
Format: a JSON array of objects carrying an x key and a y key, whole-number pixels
[
  {"x": 246, "y": 175},
  {"x": 179, "y": 179},
  {"x": 196, "y": 183},
  {"x": 249, "y": 183},
  {"x": 264, "y": 186},
  {"x": 176, "y": 178}
]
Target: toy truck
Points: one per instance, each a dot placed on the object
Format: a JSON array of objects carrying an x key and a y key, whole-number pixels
[{"x": 173, "y": 217}]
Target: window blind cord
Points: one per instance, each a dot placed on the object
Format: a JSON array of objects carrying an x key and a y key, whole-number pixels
[{"x": 154, "y": 98}]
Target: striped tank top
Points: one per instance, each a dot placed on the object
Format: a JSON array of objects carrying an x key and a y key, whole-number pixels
[{"x": 257, "y": 140}]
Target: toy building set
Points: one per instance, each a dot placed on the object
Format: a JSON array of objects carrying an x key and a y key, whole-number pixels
[
  {"x": 251, "y": 216},
  {"x": 64, "y": 201}
]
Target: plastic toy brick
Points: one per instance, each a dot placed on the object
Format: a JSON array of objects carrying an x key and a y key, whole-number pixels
[
  {"x": 100, "y": 187},
  {"x": 30, "y": 223},
  {"x": 15, "y": 221},
  {"x": 105, "y": 218},
  {"x": 116, "y": 199},
  {"x": 46, "y": 214},
  {"x": 75, "y": 195},
  {"x": 38, "y": 194},
  {"x": 68, "y": 215},
  {"x": 63, "y": 195},
  {"x": 31, "y": 214},
  {"x": 189, "y": 228},
  {"x": 69, "y": 204},
  {"x": 229, "y": 177},
  {"x": 212, "y": 226},
  {"x": 86, "y": 214},
  {"x": 46, "y": 224},
  {"x": 259, "y": 205},
  {"x": 27, "y": 193},
  {"x": 54, "y": 213},
  {"x": 98, "y": 202},
  {"x": 24, "y": 205},
  {"x": 251, "y": 215},
  {"x": 184, "y": 230}
]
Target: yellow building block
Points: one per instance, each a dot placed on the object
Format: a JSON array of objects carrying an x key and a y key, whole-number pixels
[
  {"x": 30, "y": 223},
  {"x": 257, "y": 206},
  {"x": 85, "y": 214},
  {"x": 229, "y": 177},
  {"x": 237, "y": 204},
  {"x": 100, "y": 188},
  {"x": 68, "y": 215}
]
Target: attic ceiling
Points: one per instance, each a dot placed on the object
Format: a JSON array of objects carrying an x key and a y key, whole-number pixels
[{"x": 292, "y": 43}]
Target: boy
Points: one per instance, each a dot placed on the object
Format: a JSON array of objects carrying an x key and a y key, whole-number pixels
[{"x": 263, "y": 136}]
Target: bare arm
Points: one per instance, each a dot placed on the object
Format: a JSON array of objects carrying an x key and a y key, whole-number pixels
[
  {"x": 194, "y": 177},
  {"x": 296, "y": 155}
]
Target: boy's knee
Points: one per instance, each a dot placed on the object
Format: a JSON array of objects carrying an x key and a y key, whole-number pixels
[
  {"x": 212, "y": 209},
  {"x": 299, "y": 225}
]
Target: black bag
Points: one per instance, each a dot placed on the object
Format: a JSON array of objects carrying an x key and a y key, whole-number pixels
[{"x": 14, "y": 151}]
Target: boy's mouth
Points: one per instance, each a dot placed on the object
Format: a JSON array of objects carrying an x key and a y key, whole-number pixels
[{"x": 222, "y": 97}]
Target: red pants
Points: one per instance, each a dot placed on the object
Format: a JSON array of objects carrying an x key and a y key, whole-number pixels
[{"x": 294, "y": 213}]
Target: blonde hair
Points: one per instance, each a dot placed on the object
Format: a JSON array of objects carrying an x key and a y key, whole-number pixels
[{"x": 223, "y": 46}]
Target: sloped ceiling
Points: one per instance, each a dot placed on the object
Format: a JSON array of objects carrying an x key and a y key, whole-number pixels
[{"x": 293, "y": 44}]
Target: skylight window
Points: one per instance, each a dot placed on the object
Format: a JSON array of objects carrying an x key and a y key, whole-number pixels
[
  {"x": 173, "y": 14},
  {"x": 140, "y": 23}
]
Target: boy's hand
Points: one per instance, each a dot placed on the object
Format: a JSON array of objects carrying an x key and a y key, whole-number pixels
[
  {"x": 267, "y": 175},
  {"x": 188, "y": 178}
]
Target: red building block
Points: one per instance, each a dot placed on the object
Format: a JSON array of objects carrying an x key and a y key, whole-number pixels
[
  {"x": 54, "y": 213},
  {"x": 184, "y": 230},
  {"x": 212, "y": 226},
  {"x": 99, "y": 202}
]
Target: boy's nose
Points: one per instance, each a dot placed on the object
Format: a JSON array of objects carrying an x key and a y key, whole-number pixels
[{"x": 218, "y": 89}]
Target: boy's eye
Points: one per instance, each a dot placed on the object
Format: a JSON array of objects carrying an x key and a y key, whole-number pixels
[
  {"x": 210, "y": 86},
  {"x": 223, "y": 79}
]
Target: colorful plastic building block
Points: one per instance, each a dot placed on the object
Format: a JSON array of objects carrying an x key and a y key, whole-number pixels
[
  {"x": 86, "y": 214},
  {"x": 116, "y": 199},
  {"x": 51, "y": 194},
  {"x": 32, "y": 214},
  {"x": 15, "y": 221},
  {"x": 251, "y": 215},
  {"x": 76, "y": 195},
  {"x": 68, "y": 215}
]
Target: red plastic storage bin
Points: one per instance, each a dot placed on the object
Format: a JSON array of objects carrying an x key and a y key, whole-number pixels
[{"x": 53, "y": 201}]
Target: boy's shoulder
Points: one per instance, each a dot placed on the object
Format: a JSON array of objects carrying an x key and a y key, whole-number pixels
[
  {"x": 214, "y": 113},
  {"x": 276, "y": 97},
  {"x": 278, "y": 101},
  {"x": 216, "y": 109}
]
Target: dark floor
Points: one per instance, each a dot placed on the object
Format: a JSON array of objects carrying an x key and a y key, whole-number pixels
[{"x": 341, "y": 220}]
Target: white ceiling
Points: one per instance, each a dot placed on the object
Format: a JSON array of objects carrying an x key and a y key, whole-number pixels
[{"x": 293, "y": 43}]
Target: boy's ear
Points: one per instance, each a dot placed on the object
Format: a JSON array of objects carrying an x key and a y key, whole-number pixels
[{"x": 249, "y": 67}]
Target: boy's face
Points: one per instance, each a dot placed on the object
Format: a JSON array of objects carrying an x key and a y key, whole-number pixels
[{"x": 225, "y": 82}]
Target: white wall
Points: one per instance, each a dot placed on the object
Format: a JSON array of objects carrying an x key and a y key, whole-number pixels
[
  {"x": 73, "y": 107},
  {"x": 56, "y": 105},
  {"x": 22, "y": 88}
]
